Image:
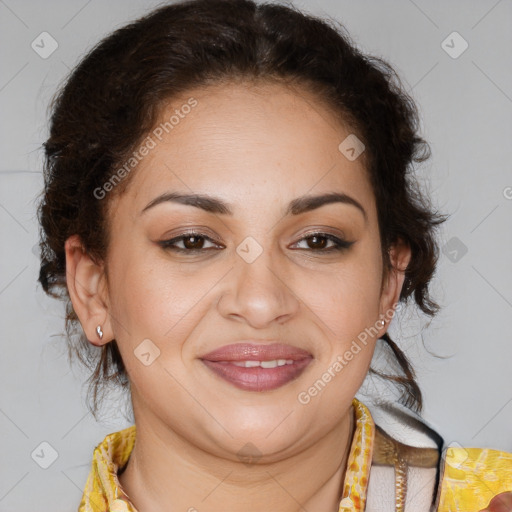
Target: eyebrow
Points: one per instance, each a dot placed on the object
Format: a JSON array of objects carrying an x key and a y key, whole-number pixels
[{"x": 218, "y": 206}]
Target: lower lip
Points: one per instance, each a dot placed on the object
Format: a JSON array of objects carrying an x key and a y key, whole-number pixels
[{"x": 258, "y": 379}]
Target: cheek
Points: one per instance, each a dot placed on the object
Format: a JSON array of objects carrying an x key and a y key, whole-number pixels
[
  {"x": 345, "y": 298},
  {"x": 151, "y": 312},
  {"x": 150, "y": 295},
  {"x": 153, "y": 299}
]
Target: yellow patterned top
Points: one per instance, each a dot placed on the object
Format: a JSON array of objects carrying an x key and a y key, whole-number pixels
[{"x": 471, "y": 476}]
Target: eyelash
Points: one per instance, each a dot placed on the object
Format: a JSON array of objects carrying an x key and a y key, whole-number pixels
[{"x": 340, "y": 244}]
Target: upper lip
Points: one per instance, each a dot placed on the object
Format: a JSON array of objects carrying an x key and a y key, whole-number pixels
[{"x": 256, "y": 352}]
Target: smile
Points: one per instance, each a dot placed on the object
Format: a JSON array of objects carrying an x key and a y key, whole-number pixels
[{"x": 258, "y": 375}]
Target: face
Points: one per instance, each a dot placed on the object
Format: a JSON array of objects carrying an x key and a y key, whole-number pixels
[{"x": 253, "y": 270}]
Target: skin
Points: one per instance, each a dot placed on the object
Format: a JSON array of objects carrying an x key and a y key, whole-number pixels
[
  {"x": 258, "y": 147},
  {"x": 500, "y": 503}
]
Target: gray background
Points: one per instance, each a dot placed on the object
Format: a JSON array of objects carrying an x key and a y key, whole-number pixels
[{"x": 466, "y": 106}]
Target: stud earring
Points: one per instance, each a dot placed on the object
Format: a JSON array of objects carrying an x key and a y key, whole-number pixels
[
  {"x": 381, "y": 323},
  {"x": 99, "y": 331}
]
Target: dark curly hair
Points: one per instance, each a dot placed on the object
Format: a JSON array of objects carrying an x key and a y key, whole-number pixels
[{"x": 112, "y": 99}]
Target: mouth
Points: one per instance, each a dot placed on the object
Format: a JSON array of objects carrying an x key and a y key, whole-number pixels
[{"x": 253, "y": 367}]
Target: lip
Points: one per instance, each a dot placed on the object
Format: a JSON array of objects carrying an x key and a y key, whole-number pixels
[
  {"x": 220, "y": 361},
  {"x": 256, "y": 352}
]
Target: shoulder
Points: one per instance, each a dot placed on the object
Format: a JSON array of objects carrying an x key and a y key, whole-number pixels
[
  {"x": 102, "y": 490},
  {"x": 427, "y": 474},
  {"x": 471, "y": 477}
]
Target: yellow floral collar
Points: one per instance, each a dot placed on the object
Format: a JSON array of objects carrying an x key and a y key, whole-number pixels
[{"x": 103, "y": 492}]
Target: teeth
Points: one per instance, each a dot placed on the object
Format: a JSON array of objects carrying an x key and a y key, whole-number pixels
[
  {"x": 263, "y": 364},
  {"x": 249, "y": 364}
]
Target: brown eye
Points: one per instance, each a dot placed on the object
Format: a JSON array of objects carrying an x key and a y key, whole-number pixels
[
  {"x": 192, "y": 242},
  {"x": 195, "y": 242},
  {"x": 318, "y": 242}
]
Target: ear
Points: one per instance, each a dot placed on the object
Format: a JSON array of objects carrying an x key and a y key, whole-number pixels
[
  {"x": 393, "y": 280},
  {"x": 86, "y": 282}
]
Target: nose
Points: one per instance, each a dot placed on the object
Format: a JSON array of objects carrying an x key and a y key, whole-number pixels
[{"x": 259, "y": 291}]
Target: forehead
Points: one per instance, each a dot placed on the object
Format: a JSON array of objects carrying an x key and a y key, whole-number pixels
[{"x": 248, "y": 141}]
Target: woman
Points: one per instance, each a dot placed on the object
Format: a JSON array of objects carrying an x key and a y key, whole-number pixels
[{"x": 230, "y": 212}]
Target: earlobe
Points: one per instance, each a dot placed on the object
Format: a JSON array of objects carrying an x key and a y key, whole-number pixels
[{"x": 86, "y": 285}]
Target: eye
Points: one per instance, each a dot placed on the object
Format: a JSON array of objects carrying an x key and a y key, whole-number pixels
[
  {"x": 192, "y": 242},
  {"x": 320, "y": 240}
]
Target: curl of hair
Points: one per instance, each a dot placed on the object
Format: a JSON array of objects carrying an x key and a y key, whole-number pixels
[{"x": 112, "y": 100}]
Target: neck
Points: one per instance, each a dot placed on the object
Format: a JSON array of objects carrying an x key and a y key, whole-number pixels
[{"x": 166, "y": 472}]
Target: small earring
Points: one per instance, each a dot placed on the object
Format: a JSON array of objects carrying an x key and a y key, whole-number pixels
[
  {"x": 381, "y": 323},
  {"x": 99, "y": 331}
]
